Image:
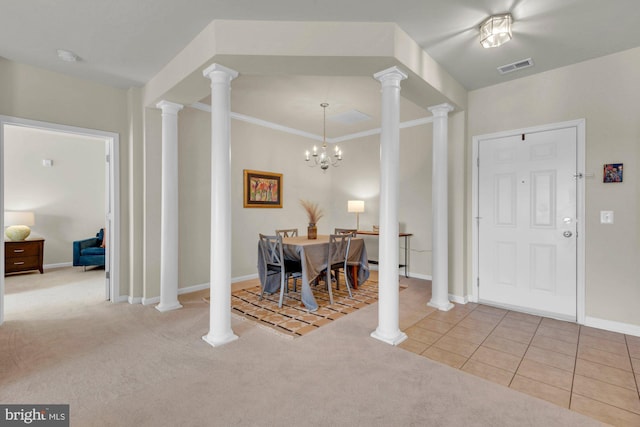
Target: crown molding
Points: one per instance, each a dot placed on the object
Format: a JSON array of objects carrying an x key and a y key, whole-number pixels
[{"x": 275, "y": 126}]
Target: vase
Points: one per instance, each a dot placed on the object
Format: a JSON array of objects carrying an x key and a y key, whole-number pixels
[{"x": 312, "y": 231}]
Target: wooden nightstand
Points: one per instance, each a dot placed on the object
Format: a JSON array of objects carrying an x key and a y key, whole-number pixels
[{"x": 25, "y": 255}]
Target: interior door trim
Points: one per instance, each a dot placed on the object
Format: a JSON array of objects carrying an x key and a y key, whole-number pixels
[
  {"x": 112, "y": 188},
  {"x": 580, "y": 126}
]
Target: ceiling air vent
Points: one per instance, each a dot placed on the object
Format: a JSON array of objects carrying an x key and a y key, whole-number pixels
[{"x": 515, "y": 66}]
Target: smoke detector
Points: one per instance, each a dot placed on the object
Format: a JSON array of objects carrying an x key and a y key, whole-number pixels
[{"x": 67, "y": 55}]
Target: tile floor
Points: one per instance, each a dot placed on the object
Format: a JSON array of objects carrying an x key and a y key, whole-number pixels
[{"x": 591, "y": 371}]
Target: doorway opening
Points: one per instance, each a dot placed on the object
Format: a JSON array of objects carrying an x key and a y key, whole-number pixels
[{"x": 111, "y": 194}]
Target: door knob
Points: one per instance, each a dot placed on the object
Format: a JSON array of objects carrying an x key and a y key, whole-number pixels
[{"x": 567, "y": 234}]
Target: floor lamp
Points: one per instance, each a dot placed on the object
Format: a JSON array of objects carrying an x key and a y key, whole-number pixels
[{"x": 357, "y": 207}]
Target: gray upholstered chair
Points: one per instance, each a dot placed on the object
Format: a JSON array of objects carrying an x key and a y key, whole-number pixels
[
  {"x": 351, "y": 231},
  {"x": 338, "y": 258},
  {"x": 288, "y": 232},
  {"x": 275, "y": 263}
]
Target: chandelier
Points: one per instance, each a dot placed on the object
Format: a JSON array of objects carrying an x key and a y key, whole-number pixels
[{"x": 321, "y": 157}]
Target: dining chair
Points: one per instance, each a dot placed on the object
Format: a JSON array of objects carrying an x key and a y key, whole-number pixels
[
  {"x": 288, "y": 232},
  {"x": 351, "y": 231},
  {"x": 275, "y": 263},
  {"x": 338, "y": 258}
]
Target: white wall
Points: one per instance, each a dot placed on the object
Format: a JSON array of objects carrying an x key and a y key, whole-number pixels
[
  {"x": 33, "y": 93},
  {"x": 604, "y": 91},
  {"x": 359, "y": 179},
  {"x": 152, "y": 154},
  {"x": 257, "y": 148},
  {"x": 68, "y": 198}
]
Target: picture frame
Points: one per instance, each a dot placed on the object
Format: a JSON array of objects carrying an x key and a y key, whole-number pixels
[
  {"x": 262, "y": 189},
  {"x": 612, "y": 172}
]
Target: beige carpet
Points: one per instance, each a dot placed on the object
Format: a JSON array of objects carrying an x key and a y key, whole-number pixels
[{"x": 130, "y": 365}]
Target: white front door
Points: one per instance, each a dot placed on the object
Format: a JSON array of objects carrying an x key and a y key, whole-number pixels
[{"x": 527, "y": 222}]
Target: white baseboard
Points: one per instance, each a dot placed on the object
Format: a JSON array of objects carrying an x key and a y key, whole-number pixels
[
  {"x": 133, "y": 300},
  {"x": 193, "y": 288},
  {"x": 58, "y": 265},
  {"x": 453, "y": 298},
  {"x": 418, "y": 276},
  {"x": 458, "y": 299},
  {"x": 610, "y": 325},
  {"x": 374, "y": 267},
  {"x": 243, "y": 278},
  {"x": 189, "y": 289},
  {"x": 149, "y": 301},
  {"x": 156, "y": 300}
]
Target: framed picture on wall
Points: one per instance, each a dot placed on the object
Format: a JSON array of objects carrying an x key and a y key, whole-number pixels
[
  {"x": 612, "y": 172},
  {"x": 262, "y": 189}
]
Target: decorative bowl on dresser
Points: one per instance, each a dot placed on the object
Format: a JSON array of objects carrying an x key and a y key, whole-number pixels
[{"x": 23, "y": 255}]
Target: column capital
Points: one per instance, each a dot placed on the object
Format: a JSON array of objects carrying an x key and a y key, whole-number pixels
[
  {"x": 394, "y": 73},
  {"x": 169, "y": 107},
  {"x": 217, "y": 69},
  {"x": 441, "y": 109}
]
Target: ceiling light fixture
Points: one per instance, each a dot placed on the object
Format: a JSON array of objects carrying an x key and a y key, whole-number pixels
[
  {"x": 67, "y": 55},
  {"x": 496, "y": 30},
  {"x": 321, "y": 157}
]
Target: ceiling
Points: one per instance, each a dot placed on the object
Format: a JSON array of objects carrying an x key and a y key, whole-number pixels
[{"x": 124, "y": 43}]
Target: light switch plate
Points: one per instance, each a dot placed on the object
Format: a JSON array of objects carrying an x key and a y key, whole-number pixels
[{"x": 606, "y": 217}]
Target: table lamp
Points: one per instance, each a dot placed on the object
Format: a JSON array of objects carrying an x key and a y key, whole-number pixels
[
  {"x": 18, "y": 224},
  {"x": 357, "y": 207}
]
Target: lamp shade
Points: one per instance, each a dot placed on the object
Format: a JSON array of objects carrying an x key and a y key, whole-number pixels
[
  {"x": 355, "y": 206},
  {"x": 495, "y": 31},
  {"x": 18, "y": 224},
  {"x": 19, "y": 218}
]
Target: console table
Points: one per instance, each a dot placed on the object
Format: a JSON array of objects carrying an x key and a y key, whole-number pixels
[
  {"x": 24, "y": 255},
  {"x": 407, "y": 248}
]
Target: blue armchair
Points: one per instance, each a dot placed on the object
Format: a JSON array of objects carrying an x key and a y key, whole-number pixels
[{"x": 89, "y": 251}]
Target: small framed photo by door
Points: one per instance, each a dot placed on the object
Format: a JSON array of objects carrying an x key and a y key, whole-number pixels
[
  {"x": 262, "y": 189},
  {"x": 612, "y": 172}
]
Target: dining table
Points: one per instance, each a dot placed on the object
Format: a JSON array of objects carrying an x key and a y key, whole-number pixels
[{"x": 313, "y": 255}]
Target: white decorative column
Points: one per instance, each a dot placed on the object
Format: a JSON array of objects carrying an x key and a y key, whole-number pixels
[
  {"x": 388, "y": 273},
  {"x": 169, "y": 208},
  {"x": 439, "y": 201},
  {"x": 220, "y": 276}
]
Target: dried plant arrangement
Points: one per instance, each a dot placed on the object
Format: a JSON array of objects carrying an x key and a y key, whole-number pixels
[{"x": 313, "y": 211}]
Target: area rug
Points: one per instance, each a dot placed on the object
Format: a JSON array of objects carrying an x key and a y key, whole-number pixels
[{"x": 293, "y": 319}]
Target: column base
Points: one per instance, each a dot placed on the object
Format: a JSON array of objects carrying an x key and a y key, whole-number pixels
[
  {"x": 168, "y": 307},
  {"x": 443, "y": 306},
  {"x": 218, "y": 341},
  {"x": 394, "y": 340}
]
